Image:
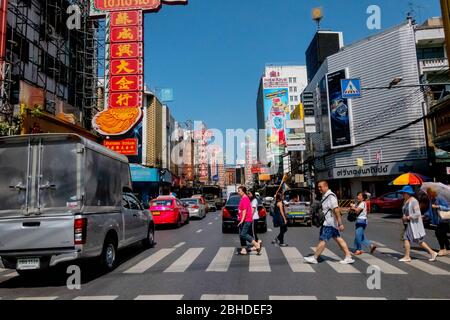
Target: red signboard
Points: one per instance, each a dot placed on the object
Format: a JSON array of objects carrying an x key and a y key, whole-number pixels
[
  {"x": 126, "y": 18},
  {"x": 125, "y": 100},
  {"x": 123, "y": 5},
  {"x": 126, "y": 83},
  {"x": 126, "y": 50},
  {"x": 126, "y": 66},
  {"x": 128, "y": 147},
  {"x": 126, "y": 34}
]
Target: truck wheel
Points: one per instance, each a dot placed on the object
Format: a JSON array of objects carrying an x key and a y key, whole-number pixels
[
  {"x": 149, "y": 242},
  {"x": 109, "y": 254}
]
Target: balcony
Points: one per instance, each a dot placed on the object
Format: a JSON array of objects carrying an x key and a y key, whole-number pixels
[{"x": 433, "y": 65}]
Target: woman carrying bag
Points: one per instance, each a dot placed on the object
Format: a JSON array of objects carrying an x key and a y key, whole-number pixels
[
  {"x": 415, "y": 230},
  {"x": 280, "y": 219},
  {"x": 359, "y": 214}
]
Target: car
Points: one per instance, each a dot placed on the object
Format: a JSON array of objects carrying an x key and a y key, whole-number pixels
[
  {"x": 81, "y": 207},
  {"x": 203, "y": 201},
  {"x": 389, "y": 202},
  {"x": 167, "y": 210},
  {"x": 299, "y": 211},
  {"x": 195, "y": 207},
  {"x": 230, "y": 215}
]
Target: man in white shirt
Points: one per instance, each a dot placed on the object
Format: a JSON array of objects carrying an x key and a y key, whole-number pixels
[{"x": 332, "y": 226}]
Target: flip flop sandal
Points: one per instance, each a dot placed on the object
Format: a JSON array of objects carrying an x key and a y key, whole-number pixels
[{"x": 258, "y": 251}]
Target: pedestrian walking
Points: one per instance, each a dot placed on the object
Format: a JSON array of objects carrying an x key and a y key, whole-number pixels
[
  {"x": 245, "y": 223},
  {"x": 415, "y": 230},
  {"x": 281, "y": 217},
  {"x": 254, "y": 202},
  {"x": 442, "y": 226},
  {"x": 361, "y": 212},
  {"x": 332, "y": 226}
]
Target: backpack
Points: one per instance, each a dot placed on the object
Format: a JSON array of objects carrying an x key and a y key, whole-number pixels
[{"x": 318, "y": 217}]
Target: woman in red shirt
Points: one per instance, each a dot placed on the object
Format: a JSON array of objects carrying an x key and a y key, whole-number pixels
[{"x": 245, "y": 223}]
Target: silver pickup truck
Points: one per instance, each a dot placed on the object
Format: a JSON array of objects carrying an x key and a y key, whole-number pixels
[{"x": 62, "y": 198}]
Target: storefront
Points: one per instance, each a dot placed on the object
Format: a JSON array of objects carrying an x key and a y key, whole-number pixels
[{"x": 146, "y": 182}]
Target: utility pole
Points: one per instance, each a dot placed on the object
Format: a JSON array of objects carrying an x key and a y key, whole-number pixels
[{"x": 445, "y": 7}]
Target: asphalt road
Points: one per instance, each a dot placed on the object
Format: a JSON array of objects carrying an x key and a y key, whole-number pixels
[{"x": 199, "y": 262}]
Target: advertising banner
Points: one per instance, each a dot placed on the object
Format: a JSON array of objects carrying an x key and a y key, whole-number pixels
[
  {"x": 276, "y": 112},
  {"x": 339, "y": 111}
]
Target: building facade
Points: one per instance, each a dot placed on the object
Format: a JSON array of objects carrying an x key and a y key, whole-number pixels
[
  {"x": 371, "y": 153},
  {"x": 49, "y": 76}
]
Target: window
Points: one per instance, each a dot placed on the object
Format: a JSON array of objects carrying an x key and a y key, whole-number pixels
[
  {"x": 134, "y": 203},
  {"x": 125, "y": 203},
  {"x": 291, "y": 98},
  {"x": 295, "y": 89},
  {"x": 391, "y": 196},
  {"x": 290, "y": 80},
  {"x": 295, "y": 98},
  {"x": 430, "y": 53},
  {"x": 294, "y": 80}
]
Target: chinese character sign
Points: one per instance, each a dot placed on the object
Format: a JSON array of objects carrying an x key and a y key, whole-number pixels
[{"x": 124, "y": 72}]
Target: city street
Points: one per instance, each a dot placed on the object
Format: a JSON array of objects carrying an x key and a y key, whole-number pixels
[{"x": 197, "y": 261}]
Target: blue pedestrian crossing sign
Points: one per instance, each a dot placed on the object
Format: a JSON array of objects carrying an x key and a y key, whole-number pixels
[{"x": 351, "y": 88}]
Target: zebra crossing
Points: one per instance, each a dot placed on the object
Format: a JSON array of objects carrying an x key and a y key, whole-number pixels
[{"x": 225, "y": 259}]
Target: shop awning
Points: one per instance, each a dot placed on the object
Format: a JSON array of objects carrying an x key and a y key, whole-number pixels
[{"x": 143, "y": 174}]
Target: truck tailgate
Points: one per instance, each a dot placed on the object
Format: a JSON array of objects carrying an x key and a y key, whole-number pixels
[{"x": 36, "y": 233}]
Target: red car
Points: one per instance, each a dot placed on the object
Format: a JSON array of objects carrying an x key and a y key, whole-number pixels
[
  {"x": 169, "y": 211},
  {"x": 392, "y": 201},
  {"x": 230, "y": 215}
]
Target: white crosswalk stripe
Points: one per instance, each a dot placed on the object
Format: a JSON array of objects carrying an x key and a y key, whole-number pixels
[
  {"x": 97, "y": 298},
  {"x": 295, "y": 260},
  {"x": 292, "y": 298},
  {"x": 149, "y": 262},
  {"x": 360, "y": 298},
  {"x": 445, "y": 260},
  {"x": 333, "y": 261},
  {"x": 385, "y": 267},
  {"x": 418, "y": 264},
  {"x": 220, "y": 297},
  {"x": 37, "y": 298},
  {"x": 222, "y": 260},
  {"x": 183, "y": 263},
  {"x": 259, "y": 263},
  {"x": 160, "y": 297}
]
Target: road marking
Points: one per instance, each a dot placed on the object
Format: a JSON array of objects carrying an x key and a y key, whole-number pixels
[
  {"x": 210, "y": 223},
  {"x": 216, "y": 218},
  {"x": 160, "y": 297},
  {"x": 37, "y": 298},
  {"x": 445, "y": 260},
  {"x": 200, "y": 230},
  {"x": 10, "y": 274},
  {"x": 270, "y": 230},
  {"x": 360, "y": 298},
  {"x": 96, "y": 298},
  {"x": 418, "y": 264},
  {"x": 290, "y": 298},
  {"x": 295, "y": 260},
  {"x": 384, "y": 266},
  {"x": 259, "y": 263},
  {"x": 222, "y": 260},
  {"x": 426, "y": 299},
  {"x": 223, "y": 297},
  {"x": 179, "y": 245},
  {"x": 333, "y": 261},
  {"x": 149, "y": 262},
  {"x": 185, "y": 260}
]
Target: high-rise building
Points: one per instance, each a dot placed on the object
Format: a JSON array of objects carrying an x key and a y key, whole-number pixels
[
  {"x": 324, "y": 44},
  {"x": 278, "y": 102}
]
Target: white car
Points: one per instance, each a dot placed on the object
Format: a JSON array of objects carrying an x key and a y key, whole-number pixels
[{"x": 196, "y": 208}]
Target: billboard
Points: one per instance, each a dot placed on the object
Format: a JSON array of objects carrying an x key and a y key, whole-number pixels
[
  {"x": 99, "y": 7},
  {"x": 276, "y": 112},
  {"x": 339, "y": 111}
]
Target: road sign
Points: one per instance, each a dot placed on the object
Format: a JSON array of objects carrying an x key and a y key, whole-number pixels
[{"x": 351, "y": 88}]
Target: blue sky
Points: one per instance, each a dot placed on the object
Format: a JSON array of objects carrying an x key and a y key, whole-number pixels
[{"x": 213, "y": 52}]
